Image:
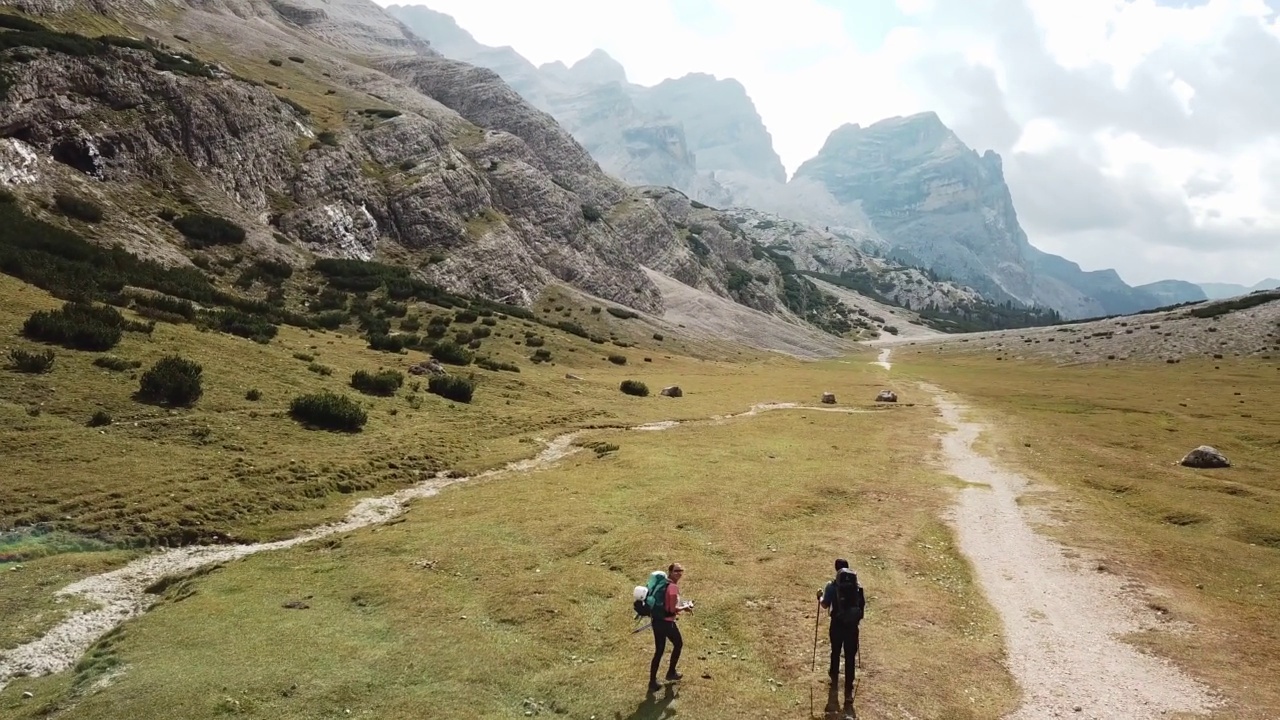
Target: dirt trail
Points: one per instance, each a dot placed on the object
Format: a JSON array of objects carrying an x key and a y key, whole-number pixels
[
  {"x": 122, "y": 594},
  {"x": 1063, "y": 622}
]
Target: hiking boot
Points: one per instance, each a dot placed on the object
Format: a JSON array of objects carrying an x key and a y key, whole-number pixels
[
  {"x": 654, "y": 686},
  {"x": 673, "y": 676}
]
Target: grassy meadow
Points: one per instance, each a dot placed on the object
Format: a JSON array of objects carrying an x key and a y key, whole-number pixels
[
  {"x": 541, "y": 564},
  {"x": 1103, "y": 441}
]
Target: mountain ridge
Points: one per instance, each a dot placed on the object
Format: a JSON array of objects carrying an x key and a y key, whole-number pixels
[{"x": 746, "y": 172}]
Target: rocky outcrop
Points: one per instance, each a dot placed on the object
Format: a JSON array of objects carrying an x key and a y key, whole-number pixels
[
  {"x": 943, "y": 206},
  {"x": 1205, "y": 457},
  {"x": 721, "y": 124}
]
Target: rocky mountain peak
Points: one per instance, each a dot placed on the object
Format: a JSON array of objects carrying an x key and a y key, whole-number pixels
[{"x": 598, "y": 68}]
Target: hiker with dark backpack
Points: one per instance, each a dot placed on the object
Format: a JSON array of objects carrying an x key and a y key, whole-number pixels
[
  {"x": 663, "y": 600},
  {"x": 844, "y": 597}
]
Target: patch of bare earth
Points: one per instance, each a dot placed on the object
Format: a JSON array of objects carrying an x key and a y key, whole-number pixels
[{"x": 1064, "y": 623}]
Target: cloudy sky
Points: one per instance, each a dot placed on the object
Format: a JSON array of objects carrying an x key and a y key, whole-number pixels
[{"x": 1142, "y": 135}]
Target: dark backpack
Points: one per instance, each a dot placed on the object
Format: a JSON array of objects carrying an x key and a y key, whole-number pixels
[{"x": 850, "y": 602}]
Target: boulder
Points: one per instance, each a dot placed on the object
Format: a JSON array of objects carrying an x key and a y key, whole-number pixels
[
  {"x": 430, "y": 367},
  {"x": 1206, "y": 457},
  {"x": 829, "y": 398},
  {"x": 887, "y": 396},
  {"x": 673, "y": 391}
]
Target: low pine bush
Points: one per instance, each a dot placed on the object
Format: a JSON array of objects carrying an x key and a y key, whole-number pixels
[
  {"x": 384, "y": 383},
  {"x": 618, "y": 359},
  {"x": 328, "y": 411},
  {"x": 77, "y": 326},
  {"x": 77, "y": 207},
  {"x": 451, "y": 353},
  {"x": 253, "y": 395},
  {"x": 100, "y": 419},
  {"x": 634, "y": 387},
  {"x": 173, "y": 380},
  {"x": 203, "y": 230},
  {"x": 27, "y": 361},
  {"x": 495, "y": 365},
  {"x": 452, "y": 387},
  {"x": 111, "y": 362}
]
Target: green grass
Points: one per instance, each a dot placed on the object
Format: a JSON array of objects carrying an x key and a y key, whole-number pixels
[
  {"x": 519, "y": 587},
  {"x": 1109, "y": 438}
]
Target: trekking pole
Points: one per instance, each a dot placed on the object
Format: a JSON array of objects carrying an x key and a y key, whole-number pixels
[{"x": 817, "y": 617}]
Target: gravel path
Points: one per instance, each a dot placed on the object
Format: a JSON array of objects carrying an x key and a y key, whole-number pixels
[{"x": 1062, "y": 621}]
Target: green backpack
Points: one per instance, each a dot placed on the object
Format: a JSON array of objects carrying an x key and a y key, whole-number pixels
[{"x": 655, "y": 591}]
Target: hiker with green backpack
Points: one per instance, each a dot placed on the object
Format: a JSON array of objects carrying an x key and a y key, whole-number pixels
[
  {"x": 661, "y": 602},
  {"x": 844, "y": 597}
]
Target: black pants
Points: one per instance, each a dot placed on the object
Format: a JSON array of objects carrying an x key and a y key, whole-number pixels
[
  {"x": 664, "y": 630},
  {"x": 843, "y": 637}
]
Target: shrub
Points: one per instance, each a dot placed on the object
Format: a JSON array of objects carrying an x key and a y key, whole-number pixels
[
  {"x": 296, "y": 59},
  {"x": 253, "y": 395},
  {"x": 277, "y": 62},
  {"x": 322, "y": 370},
  {"x": 595, "y": 309},
  {"x": 76, "y": 326},
  {"x": 100, "y": 419},
  {"x": 541, "y": 355},
  {"x": 242, "y": 324},
  {"x": 474, "y": 344},
  {"x": 618, "y": 359},
  {"x": 491, "y": 364},
  {"x": 329, "y": 411},
  {"x": 411, "y": 324},
  {"x": 480, "y": 332},
  {"x": 304, "y": 357},
  {"x": 452, "y": 387},
  {"x": 465, "y": 316},
  {"x": 111, "y": 362},
  {"x": 658, "y": 337},
  {"x": 172, "y": 306},
  {"x": 328, "y": 137},
  {"x": 891, "y": 329},
  {"x": 77, "y": 207},
  {"x": 451, "y": 353},
  {"x": 534, "y": 341},
  {"x": 386, "y": 343},
  {"x": 634, "y": 387},
  {"x": 331, "y": 320},
  {"x": 592, "y": 213},
  {"x": 203, "y": 230},
  {"x": 173, "y": 380},
  {"x": 489, "y": 321},
  {"x": 31, "y": 362},
  {"x": 384, "y": 383},
  {"x": 622, "y": 313}
]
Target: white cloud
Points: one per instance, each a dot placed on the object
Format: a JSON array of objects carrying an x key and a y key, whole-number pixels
[{"x": 1147, "y": 96}]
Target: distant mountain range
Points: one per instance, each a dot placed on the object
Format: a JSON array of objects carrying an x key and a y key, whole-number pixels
[
  {"x": 906, "y": 188},
  {"x": 1217, "y": 291}
]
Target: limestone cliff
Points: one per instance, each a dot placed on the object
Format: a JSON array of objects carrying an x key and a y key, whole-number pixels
[{"x": 942, "y": 205}]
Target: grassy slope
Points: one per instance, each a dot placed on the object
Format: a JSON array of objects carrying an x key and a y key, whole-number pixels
[
  {"x": 1108, "y": 438},
  {"x": 387, "y": 636}
]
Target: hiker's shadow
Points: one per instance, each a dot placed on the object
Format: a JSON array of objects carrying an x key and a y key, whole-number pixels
[{"x": 654, "y": 706}]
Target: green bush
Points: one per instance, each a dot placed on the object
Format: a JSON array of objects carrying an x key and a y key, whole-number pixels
[
  {"x": 183, "y": 309},
  {"x": 622, "y": 313},
  {"x": 411, "y": 324},
  {"x": 386, "y": 343},
  {"x": 658, "y": 337},
  {"x": 329, "y": 411},
  {"x": 100, "y": 419},
  {"x": 634, "y": 387},
  {"x": 534, "y": 341},
  {"x": 331, "y": 320},
  {"x": 451, "y": 353},
  {"x": 27, "y": 361},
  {"x": 384, "y": 383},
  {"x": 253, "y": 395},
  {"x": 111, "y": 362},
  {"x": 452, "y": 387},
  {"x": 592, "y": 213},
  {"x": 203, "y": 230},
  {"x": 173, "y": 380},
  {"x": 77, "y": 326},
  {"x": 465, "y": 316},
  {"x": 491, "y": 364},
  {"x": 541, "y": 355},
  {"x": 322, "y": 370},
  {"x": 618, "y": 359},
  {"x": 489, "y": 321},
  {"x": 241, "y": 324},
  {"x": 77, "y": 207}
]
